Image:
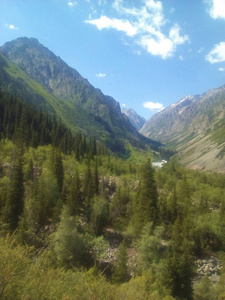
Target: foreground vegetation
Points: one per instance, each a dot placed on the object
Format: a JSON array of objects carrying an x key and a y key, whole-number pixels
[{"x": 65, "y": 200}]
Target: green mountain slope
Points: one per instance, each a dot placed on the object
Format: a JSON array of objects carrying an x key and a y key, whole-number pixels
[
  {"x": 195, "y": 128},
  {"x": 40, "y": 77}
]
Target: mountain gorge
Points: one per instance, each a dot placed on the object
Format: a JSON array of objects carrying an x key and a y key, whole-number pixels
[
  {"x": 37, "y": 75},
  {"x": 194, "y": 128}
]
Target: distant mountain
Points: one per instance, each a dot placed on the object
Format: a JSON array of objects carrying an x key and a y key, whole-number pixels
[
  {"x": 195, "y": 128},
  {"x": 136, "y": 120},
  {"x": 38, "y": 76}
]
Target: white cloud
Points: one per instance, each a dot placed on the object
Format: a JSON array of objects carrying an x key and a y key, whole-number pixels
[
  {"x": 217, "y": 54},
  {"x": 100, "y": 75},
  {"x": 216, "y": 8},
  {"x": 120, "y": 25},
  {"x": 221, "y": 69},
  {"x": 161, "y": 46},
  {"x": 146, "y": 26},
  {"x": 11, "y": 27},
  {"x": 176, "y": 37},
  {"x": 181, "y": 58},
  {"x": 72, "y": 3},
  {"x": 153, "y": 106},
  {"x": 124, "y": 105}
]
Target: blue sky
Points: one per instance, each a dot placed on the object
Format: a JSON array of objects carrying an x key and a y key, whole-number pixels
[{"x": 147, "y": 54}]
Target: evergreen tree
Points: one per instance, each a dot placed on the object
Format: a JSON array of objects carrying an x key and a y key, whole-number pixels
[
  {"x": 58, "y": 168},
  {"x": 15, "y": 204},
  {"x": 96, "y": 179},
  {"x": 99, "y": 214},
  {"x": 178, "y": 267},
  {"x": 88, "y": 190},
  {"x": 21, "y": 135},
  {"x": 119, "y": 272},
  {"x": 74, "y": 200},
  {"x": 29, "y": 175},
  {"x": 172, "y": 209},
  {"x": 146, "y": 205}
]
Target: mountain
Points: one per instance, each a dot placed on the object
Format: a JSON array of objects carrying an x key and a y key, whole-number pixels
[
  {"x": 38, "y": 76},
  {"x": 136, "y": 120},
  {"x": 195, "y": 128}
]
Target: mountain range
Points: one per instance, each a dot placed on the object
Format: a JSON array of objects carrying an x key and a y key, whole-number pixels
[
  {"x": 194, "y": 127},
  {"x": 34, "y": 73}
]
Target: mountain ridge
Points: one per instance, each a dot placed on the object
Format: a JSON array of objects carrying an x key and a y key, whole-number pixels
[
  {"x": 193, "y": 127},
  {"x": 136, "y": 120},
  {"x": 64, "y": 91}
]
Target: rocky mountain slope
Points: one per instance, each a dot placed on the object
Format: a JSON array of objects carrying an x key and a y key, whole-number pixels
[
  {"x": 136, "y": 120},
  {"x": 45, "y": 80},
  {"x": 195, "y": 128}
]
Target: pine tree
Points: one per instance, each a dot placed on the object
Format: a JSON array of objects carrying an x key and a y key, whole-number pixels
[
  {"x": 30, "y": 171},
  {"x": 58, "y": 168},
  {"x": 74, "y": 200},
  {"x": 120, "y": 272},
  {"x": 88, "y": 190},
  {"x": 99, "y": 214},
  {"x": 146, "y": 205},
  {"x": 96, "y": 179},
  {"x": 15, "y": 204},
  {"x": 22, "y": 135},
  {"x": 172, "y": 209},
  {"x": 178, "y": 267}
]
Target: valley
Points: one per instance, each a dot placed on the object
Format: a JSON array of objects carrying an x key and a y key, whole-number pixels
[
  {"x": 92, "y": 209},
  {"x": 193, "y": 128}
]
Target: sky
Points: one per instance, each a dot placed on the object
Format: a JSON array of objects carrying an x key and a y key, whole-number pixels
[{"x": 146, "y": 54}]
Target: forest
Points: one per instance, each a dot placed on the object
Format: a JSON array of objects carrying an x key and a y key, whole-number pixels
[{"x": 78, "y": 222}]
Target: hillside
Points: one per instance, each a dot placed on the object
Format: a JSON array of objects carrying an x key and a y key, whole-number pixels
[
  {"x": 18, "y": 83},
  {"x": 103, "y": 228},
  {"x": 194, "y": 127},
  {"x": 62, "y": 90}
]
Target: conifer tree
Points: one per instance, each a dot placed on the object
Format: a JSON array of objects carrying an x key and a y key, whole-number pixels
[
  {"x": 21, "y": 135},
  {"x": 58, "y": 168},
  {"x": 30, "y": 171},
  {"x": 74, "y": 200},
  {"x": 96, "y": 179},
  {"x": 172, "y": 209},
  {"x": 146, "y": 205},
  {"x": 120, "y": 272},
  {"x": 99, "y": 214},
  {"x": 178, "y": 267},
  {"x": 88, "y": 190},
  {"x": 15, "y": 204}
]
